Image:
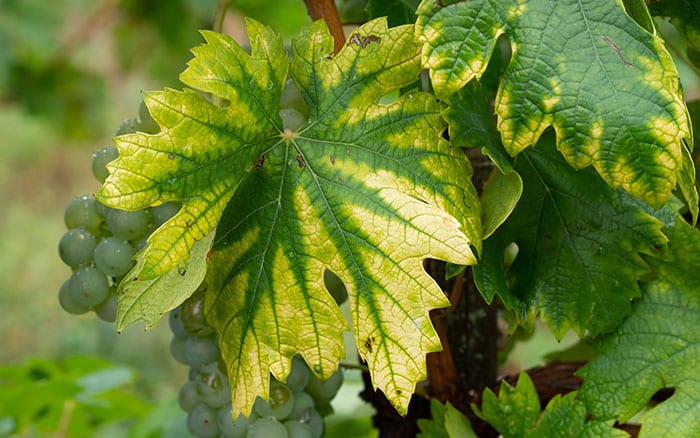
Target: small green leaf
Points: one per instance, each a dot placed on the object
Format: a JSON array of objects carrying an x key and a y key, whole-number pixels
[
  {"x": 445, "y": 421},
  {"x": 608, "y": 88},
  {"x": 514, "y": 411},
  {"x": 203, "y": 150},
  {"x": 498, "y": 199},
  {"x": 579, "y": 244},
  {"x": 147, "y": 300},
  {"x": 657, "y": 347}
]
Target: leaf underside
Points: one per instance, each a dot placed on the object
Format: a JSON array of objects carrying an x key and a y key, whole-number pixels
[{"x": 608, "y": 88}]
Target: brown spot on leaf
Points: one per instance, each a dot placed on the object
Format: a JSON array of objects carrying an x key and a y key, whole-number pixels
[
  {"x": 332, "y": 160},
  {"x": 363, "y": 41},
  {"x": 300, "y": 161},
  {"x": 368, "y": 345},
  {"x": 617, "y": 50},
  {"x": 261, "y": 162},
  {"x": 171, "y": 156}
]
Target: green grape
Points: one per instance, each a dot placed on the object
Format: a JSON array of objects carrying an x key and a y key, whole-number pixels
[
  {"x": 88, "y": 286},
  {"x": 99, "y": 162},
  {"x": 303, "y": 405},
  {"x": 145, "y": 121},
  {"x": 128, "y": 126},
  {"x": 298, "y": 375},
  {"x": 188, "y": 397},
  {"x": 292, "y": 119},
  {"x": 335, "y": 286},
  {"x": 67, "y": 302},
  {"x": 107, "y": 311},
  {"x": 177, "y": 349},
  {"x": 163, "y": 212},
  {"x": 280, "y": 403},
  {"x": 200, "y": 350},
  {"x": 202, "y": 421},
  {"x": 192, "y": 314},
  {"x": 267, "y": 428},
  {"x": 292, "y": 98},
  {"x": 76, "y": 246},
  {"x": 129, "y": 225},
  {"x": 114, "y": 256},
  {"x": 234, "y": 429},
  {"x": 315, "y": 423},
  {"x": 82, "y": 212},
  {"x": 324, "y": 391},
  {"x": 213, "y": 386},
  {"x": 295, "y": 429},
  {"x": 175, "y": 323}
]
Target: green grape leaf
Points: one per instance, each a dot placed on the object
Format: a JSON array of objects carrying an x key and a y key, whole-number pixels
[
  {"x": 685, "y": 15},
  {"x": 657, "y": 347},
  {"x": 515, "y": 413},
  {"x": 445, "y": 421},
  {"x": 514, "y": 410},
  {"x": 147, "y": 300},
  {"x": 203, "y": 150},
  {"x": 608, "y": 88},
  {"x": 364, "y": 189},
  {"x": 397, "y": 11},
  {"x": 579, "y": 243}
]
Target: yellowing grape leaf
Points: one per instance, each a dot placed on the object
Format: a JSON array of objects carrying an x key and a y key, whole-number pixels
[
  {"x": 608, "y": 88},
  {"x": 367, "y": 190},
  {"x": 657, "y": 347},
  {"x": 203, "y": 150}
]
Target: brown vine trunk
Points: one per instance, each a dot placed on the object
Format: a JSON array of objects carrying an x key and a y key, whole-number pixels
[{"x": 326, "y": 9}]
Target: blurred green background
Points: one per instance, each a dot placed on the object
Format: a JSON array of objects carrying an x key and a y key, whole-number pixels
[{"x": 70, "y": 72}]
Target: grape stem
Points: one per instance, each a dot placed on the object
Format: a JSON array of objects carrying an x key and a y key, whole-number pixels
[
  {"x": 326, "y": 9},
  {"x": 220, "y": 15},
  {"x": 354, "y": 366}
]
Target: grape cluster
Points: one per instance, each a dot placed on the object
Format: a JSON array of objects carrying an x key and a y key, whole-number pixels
[
  {"x": 100, "y": 243},
  {"x": 292, "y": 410}
]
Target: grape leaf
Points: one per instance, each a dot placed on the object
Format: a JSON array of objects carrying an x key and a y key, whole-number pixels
[
  {"x": 445, "y": 421},
  {"x": 579, "y": 243},
  {"x": 364, "y": 189},
  {"x": 203, "y": 150},
  {"x": 657, "y": 347},
  {"x": 608, "y": 88},
  {"x": 515, "y": 413},
  {"x": 148, "y": 300}
]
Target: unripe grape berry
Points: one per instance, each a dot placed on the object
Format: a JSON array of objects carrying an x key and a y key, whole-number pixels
[
  {"x": 100, "y": 159},
  {"x": 280, "y": 403},
  {"x": 145, "y": 121},
  {"x": 82, "y": 212},
  {"x": 292, "y": 119},
  {"x": 163, "y": 212},
  {"x": 188, "y": 397},
  {"x": 128, "y": 126},
  {"x": 298, "y": 375},
  {"x": 201, "y": 350},
  {"x": 88, "y": 286},
  {"x": 324, "y": 391},
  {"x": 66, "y": 300},
  {"x": 129, "y": 225},
  {"x": 107, "y": 310},
  {"x": 76, "y": 247},
  {"x": 267, "y": 428},
  {"x": 113, "y": 256},
  {"x": 192, "y": 314},
  {"x": 298, "y": 430},
  {"x": 234, "y": 429},
  {"x": 202, "y": 422},
  {"x": 292, "y": 98}
]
